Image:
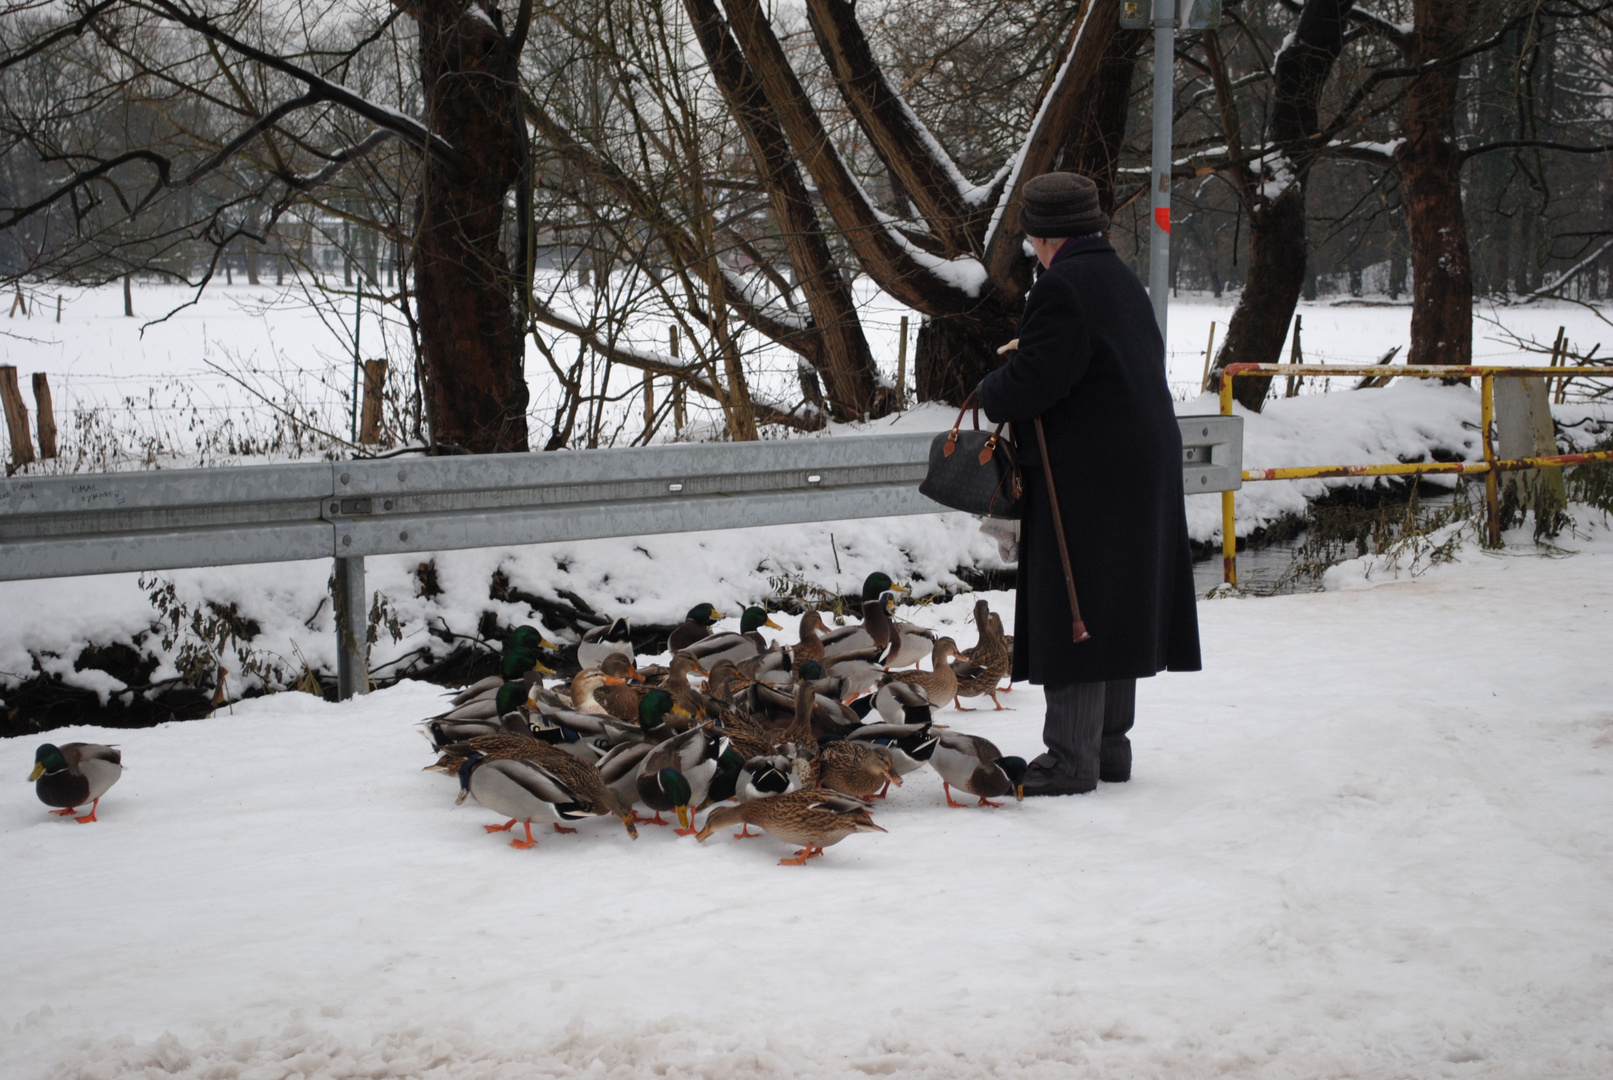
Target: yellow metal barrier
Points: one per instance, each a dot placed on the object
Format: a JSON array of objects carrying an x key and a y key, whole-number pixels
[{"x": 1489, "y": 467}]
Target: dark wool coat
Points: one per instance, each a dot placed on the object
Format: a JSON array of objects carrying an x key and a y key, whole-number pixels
[{"x": 1091, "y": 363}]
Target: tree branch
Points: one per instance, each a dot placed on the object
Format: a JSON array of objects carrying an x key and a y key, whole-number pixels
[
  {"x": 1535, "y": 144},
  {"x": 1097, "y": 21},
  {"x": 910, "y": 152}
]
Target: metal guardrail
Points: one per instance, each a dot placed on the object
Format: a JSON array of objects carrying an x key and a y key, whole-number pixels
[
  {"x": 1490, "y": 467},
  {"x": 99, "y": 523}
]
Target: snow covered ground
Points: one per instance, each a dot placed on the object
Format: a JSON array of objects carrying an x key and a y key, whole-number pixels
[{"x": 1371, "y": 839}]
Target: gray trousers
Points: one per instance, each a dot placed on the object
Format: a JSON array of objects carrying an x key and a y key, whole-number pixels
[{"x": 1086, "y": 728}]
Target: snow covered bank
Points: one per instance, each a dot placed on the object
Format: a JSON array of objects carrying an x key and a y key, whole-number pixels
[
  {"x": 655, "y": 579},
  {"x": 1372, "y": 838}
]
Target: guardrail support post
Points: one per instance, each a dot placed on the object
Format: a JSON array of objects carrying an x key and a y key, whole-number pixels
[
  {"x": 1229, "y": 530},
  {"x": 1492, "y": 507},
  {"x": 352, "y": 625}
]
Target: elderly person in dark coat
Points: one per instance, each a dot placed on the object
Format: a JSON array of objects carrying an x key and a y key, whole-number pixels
[{"x": 1090, "y": 362}]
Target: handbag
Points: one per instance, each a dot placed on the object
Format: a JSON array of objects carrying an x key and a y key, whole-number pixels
[{"x": 974, "y": 471}]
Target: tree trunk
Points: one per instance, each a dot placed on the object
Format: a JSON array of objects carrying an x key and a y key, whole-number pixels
[
  {"x": 954, "y": 352},
  {"x": 1259, "y": 323},
  {"x": 1277, "y": 242},
  {"x": 470, "y": 336},
  {"x": 841, "y": 350},
  {"x": 1430, "y": 167}
]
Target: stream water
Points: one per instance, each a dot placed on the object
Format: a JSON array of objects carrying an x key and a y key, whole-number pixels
[{"x": 1261, "y": 569}]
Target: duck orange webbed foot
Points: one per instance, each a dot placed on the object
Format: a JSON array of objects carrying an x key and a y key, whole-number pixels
[
  {"x": 89, "y": 817},
  {"x": 685, "y": 832},
  {"x": 987, "y": 802},
  {"x": 947, "y": 790},
  {"x": 639, "y": 819},
  {"x": 506, "y": 827},
  {"x": 744, "y": 833},
  {"x": 64, "y": 813},
  {"x": 801, "y": 857},
  {"x": 559, "y": 828},
  {"x": 528, "y": 842}
]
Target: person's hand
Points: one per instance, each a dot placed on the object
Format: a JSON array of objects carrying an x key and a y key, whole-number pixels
[{"x": 1010, "y": 347}]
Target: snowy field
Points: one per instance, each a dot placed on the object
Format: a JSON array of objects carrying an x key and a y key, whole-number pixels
[
  {"x": 1371, "y": 839},
  {"x": 242, "y": 352}
]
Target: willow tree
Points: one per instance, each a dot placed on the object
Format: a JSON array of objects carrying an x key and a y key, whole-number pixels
[{"x": 847, "y": 177}]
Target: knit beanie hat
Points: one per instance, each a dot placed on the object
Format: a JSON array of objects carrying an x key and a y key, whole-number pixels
[{"x": 1060, "y": 205}]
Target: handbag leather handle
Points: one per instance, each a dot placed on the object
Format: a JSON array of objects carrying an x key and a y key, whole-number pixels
[{"x": 952, "y": 439}]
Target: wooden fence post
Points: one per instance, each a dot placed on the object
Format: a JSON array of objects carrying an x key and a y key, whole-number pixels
[
  {"x": 22, "y": 444},
  {"x": 1296, "y": 356},
  {"x": 47, "y": 416},
  {"x": 369, "y": 433},
  {"x": 901, "y": 366},
  {"x": 128, "y": 299},
  {"x": 649, "y": 405},
  {"x": 677, "y": 385}
]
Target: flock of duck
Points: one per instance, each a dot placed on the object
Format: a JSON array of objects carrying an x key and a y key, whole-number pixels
[{"x": 795, "y": 740}]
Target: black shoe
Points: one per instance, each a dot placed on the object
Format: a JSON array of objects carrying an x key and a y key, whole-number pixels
[
  {"x": 1058, "y": 785},
  {"x": 1115, "y": 774}
]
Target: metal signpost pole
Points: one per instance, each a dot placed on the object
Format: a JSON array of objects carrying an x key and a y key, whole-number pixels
[
  {"x": 1164, "y": 17},
  {"x": 1159, "y": 234}
]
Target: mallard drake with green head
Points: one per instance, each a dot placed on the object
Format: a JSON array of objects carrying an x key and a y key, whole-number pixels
[
  {"x": 695, "y": 626},
  {"x": 75, "y": 773},
  {"x": 975, "y": 765},
  {"x": 811, "y": 820},
  {"x": 592, "y": 735},
  {"x": 445, "y": 729},
  {"x": 677, "y": 772}
]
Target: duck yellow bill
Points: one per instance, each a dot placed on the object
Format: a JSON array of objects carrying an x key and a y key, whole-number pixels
[
  {"x": 39, "y": 770},
  {"x": 541, "y": 668},
  {"x": 683, "y": 815},
  {"x": 1019, "y": 792},
  {"x": 773, "y": 624},
  {"x": 900, "y": 588}
]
